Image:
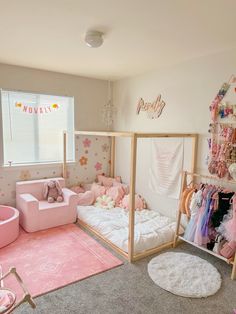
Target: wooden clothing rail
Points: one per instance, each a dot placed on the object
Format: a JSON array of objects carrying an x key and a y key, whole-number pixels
[
  {"x": 133, "y": 160},
  {"x": 185, "y": 174}
]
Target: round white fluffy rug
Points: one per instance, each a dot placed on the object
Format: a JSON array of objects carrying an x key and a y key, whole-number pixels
[{"x": 184, "y": 274}]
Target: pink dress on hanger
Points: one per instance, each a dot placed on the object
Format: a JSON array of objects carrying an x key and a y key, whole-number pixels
[{"x": 195, "y": 204}]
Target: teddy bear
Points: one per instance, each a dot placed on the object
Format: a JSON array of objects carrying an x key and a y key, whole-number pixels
[{"x": 53, "y": 192}]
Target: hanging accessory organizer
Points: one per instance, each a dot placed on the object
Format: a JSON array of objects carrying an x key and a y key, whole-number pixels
[{"x": 222, "y": 143}]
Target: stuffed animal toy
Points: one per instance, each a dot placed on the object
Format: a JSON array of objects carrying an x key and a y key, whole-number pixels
[{"x": 53, "y": 192}]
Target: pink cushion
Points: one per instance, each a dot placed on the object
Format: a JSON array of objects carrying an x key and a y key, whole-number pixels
[
  {"x": 139, "y": 202},
  {"x": 116, "y": 193},
  {"x": 86, "y": 198},
  {"x": 98, "y": 190},
  {"x": 77, "y": 189},
  {"x": 107, "y": 181},
  {"x": 87, "y": 186},
  {"x": 124, "y": 186}
]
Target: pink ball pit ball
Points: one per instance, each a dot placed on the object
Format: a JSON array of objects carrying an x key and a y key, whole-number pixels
[{"x": 9, "y": 225}]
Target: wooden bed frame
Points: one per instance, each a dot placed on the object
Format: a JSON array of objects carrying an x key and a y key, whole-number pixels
[{"x": 134, "y": 141}]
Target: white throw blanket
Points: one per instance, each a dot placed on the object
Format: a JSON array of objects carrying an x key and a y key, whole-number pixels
[
  {"x": 151, "y": 228},
  {"x": 166, "y": 166}
]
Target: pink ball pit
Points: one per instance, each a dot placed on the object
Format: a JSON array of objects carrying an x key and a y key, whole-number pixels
[{"x": 9, "y": 225}]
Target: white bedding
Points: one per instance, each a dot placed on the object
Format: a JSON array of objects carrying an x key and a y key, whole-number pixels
[{"x": 151, "y": 228}]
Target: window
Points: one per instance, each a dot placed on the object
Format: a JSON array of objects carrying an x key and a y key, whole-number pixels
[{"x": 33, "y": 125}]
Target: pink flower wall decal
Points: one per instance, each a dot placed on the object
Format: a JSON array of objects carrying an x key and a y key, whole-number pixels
[
  {"x": 98, "y": 166},
  {"x": 87, "y": 142}
]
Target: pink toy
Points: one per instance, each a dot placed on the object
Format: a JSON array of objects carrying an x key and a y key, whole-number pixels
[
  {"x": 86, "y": 198},
  {"x": 9, "y": 225},
  {"x": 52, "y": 191},
  {"x": 139, "y": 202}
]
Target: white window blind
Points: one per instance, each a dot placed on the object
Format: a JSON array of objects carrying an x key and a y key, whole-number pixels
[{"x": 32, "y": 127}]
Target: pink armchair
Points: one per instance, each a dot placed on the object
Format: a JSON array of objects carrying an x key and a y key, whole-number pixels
[{"x": 36, "y": 213}]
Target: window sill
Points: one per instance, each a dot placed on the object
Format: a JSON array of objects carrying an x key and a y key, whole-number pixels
[{"x": 37, "y": 166}]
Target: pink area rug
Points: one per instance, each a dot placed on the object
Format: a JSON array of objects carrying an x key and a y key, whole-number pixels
[{"x": 50, "y": 259}]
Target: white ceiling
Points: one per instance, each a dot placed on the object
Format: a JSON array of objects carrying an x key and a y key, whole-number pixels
[{"x": 140, "y": 35}]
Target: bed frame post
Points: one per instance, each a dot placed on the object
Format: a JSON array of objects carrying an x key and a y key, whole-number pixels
[
  {"x": 113, "y": 156},
  {"x": 194, "y": 153},
  {"x": 183, "y": 185},
  {"x": 233, "y": 275},
  {"x": 64, "y": 155},
  {"x": 132, "y": 197}
]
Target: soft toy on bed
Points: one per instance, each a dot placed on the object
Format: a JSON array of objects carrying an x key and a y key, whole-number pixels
[
  {"x": 53, "y": 192},
  {"x": 105, "y": 202},
  {"x": 140, "y": 203}
]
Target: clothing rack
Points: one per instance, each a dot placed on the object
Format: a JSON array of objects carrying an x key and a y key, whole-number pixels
[{"x": 185, "y": 174}]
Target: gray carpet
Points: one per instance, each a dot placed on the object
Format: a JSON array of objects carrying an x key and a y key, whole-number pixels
[{"x": 128, "y": 289}]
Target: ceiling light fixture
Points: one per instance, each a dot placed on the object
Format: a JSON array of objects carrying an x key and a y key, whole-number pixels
[{"x": 94, "y": 39}]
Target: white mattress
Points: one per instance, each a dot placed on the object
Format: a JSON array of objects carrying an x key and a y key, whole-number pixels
[{"x": 151, "y": 228}]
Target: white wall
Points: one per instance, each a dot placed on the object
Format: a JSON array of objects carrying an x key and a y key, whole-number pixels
[
  {"x": 90, "y": 96},
  {"x": 187, "y": 89}
]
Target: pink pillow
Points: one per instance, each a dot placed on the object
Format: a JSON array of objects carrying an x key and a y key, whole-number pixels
[
  {"x": 98, "y": 190},
  {"x": 86, "y": 198},
  {"x": 77, "y": 189},
  {"x": 87, "y": 186},
  {"x": 116, "y": 193},
  {"x": 124, "y": 186},
  {"x": 139, "y": 202},
  {"x": 107, "y": 181}
]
